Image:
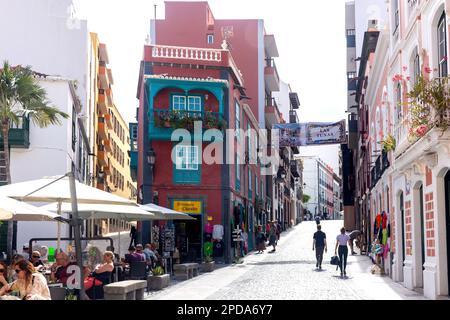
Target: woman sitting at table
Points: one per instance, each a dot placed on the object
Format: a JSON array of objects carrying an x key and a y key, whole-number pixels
[
  {"x": 3, "y": 274},
  {"x": 12, "y": 276},
  {"x": 30, "y": 285},
  {"x": 100, "y": 277}
]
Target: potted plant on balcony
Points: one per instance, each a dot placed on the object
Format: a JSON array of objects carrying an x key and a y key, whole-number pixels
[
  {"x": 430, "y": 106},
  {"x": 208, "y": 265},
  {"x": 158, "y": 280},
  {"x": 388, "y": 143}
]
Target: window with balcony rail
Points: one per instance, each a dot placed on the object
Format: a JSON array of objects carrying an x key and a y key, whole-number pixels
[{"x": 442, "y": 46}]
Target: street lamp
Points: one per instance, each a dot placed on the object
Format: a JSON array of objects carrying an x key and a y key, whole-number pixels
[{"x": 151, "y": 158}]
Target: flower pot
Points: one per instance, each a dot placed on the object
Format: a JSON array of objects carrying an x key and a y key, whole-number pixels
[
  {"x": 208, "y": 266},
  {"x": 158, "y": 282}
]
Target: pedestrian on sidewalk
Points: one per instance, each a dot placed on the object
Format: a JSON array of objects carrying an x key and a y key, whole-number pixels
[
  {"x": 355, "y": 234},
  {"x": 320, "y": 244},
  {"x": 273, "y": 236},
  {"x": 133, "y": 236},
  {"x": 260, "y": 240},
  {"x": 341, "y": 241},
  {"x": 317, "y": 218}
]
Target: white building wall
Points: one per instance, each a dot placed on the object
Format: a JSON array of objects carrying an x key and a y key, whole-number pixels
[
  {"x": 44, "y": 35},
  {"x": 310, "y": 178},
  {"x": 49, "y": 154}
]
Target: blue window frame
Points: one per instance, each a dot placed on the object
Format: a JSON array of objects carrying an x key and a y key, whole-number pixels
[
  {"x": 238, "y": 172},
  {"x": 178, "y": 102},
  {"x": 187, "y": 103},
  {"x": 186, "y": 169},
  {"x": 250, "y": 184},
  {"x": 238, "y": 121},
  {"x": 187, "y": 157},
  {"x": 194, "y": 103}
]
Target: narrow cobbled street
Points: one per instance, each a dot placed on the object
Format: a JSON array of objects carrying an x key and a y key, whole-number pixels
[{"x": 290, "y": 273}]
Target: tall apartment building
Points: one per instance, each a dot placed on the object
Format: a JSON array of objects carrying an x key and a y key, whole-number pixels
[
  {"x": 318, "y": 179},
  {"x": 110, "y": 139}
]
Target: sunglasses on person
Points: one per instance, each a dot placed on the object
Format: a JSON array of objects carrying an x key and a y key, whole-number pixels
[
  {"x": 17, "y": 270},
  {"x": 37, "y": 257},
  {"x": 2, "y": 270}
]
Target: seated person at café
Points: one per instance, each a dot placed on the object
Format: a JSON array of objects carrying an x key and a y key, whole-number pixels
[
  {"x": 3, "y": 274},
  {"x": 30, "y": 285},
  {"x": 150, "y": 256},
  {"x": 133, "y": 256},
  {"x": 12, "y": 275},
  {"x": 59, "y": 268},
  {"x": 100, "y": 277},
  {"x": 116, "y": 256},
  {"x": 36, "y": 260},
  {"x": 140, "y": 250}
]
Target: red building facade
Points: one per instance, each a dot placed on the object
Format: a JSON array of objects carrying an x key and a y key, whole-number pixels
[{"x": 188, "y": 75}]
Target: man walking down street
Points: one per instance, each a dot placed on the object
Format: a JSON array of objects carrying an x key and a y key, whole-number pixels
[{"x": 319, "y": 243}]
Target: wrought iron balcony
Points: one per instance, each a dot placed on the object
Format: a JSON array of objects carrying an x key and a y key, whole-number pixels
[{"x": 19, "y": 134}]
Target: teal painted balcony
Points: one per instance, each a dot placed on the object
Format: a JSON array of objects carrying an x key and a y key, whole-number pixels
[
  {"x": 165, "y": 122},
  {"x": 19, "y": 134}
]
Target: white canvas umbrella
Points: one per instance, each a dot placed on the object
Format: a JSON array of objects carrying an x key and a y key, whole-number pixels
[
  {"x": 50, "y": 191},
  {"x": 163, "y": 213},
  {"x": 13, "y": 210},
  {"x": 62, "y": 189},
  {"x": 57, "y": 189},
  {"x": 106, "y": 211}
]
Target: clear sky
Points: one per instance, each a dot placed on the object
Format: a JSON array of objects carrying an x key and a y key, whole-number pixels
[{"x": 310, "y": 36}]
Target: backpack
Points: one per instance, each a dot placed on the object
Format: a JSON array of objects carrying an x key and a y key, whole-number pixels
[{"x": 335, "y": 261}]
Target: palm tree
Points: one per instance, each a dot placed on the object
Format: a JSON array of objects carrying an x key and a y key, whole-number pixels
[{"x": 21, "y": 95}]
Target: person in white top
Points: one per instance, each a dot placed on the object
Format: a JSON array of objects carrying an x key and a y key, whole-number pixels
[
  {"x": 30, "y": 285},
  {"x": 341, "y": 243}
]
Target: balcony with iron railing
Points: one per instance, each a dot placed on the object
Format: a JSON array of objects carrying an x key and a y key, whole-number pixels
[
  {"x": 423, "y": 119},
  {"x": 19, "y": 134},
  {"x": 164, "y": 122}
]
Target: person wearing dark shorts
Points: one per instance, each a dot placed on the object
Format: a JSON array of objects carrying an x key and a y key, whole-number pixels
[{"x": 320, "y": 244}]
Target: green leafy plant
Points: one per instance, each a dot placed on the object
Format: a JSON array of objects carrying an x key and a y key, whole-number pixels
[
  {"x": 158, "y": 271},
  {"x": 429, "y": 106},
  {"x": 306, "y": 198},
  {"x": 389, "y": 143},
  {"x": 208, "y": 259}
]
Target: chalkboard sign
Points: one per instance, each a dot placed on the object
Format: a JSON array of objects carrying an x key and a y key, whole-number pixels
[{"x": 168, "y": 240}]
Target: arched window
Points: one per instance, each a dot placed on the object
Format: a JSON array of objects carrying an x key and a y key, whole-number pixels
[{"x": 442, "y": 46}]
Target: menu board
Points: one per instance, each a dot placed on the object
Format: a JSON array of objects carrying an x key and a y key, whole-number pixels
[{"x": 168, "y": 240}]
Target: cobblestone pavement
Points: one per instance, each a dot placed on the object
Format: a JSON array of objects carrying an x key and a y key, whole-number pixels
[{"x": 290, "y": 273}]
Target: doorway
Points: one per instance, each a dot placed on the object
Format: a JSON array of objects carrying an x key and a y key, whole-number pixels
[
  {"x": 447, "y": 223},
  {"x": 422, "y": 227},
  {"x": 189, "y": 239},
  {"x": 402, "y": 217}
]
